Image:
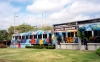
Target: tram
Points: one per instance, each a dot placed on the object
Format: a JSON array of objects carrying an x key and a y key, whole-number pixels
[
  {"x": 91, "y": 31},
  {"x": 21, "y": 40},
  {"x": 66, "y": 34}
]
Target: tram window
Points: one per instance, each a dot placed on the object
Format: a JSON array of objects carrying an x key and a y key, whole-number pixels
[
  {"x": 35, "y": 36},
  {"x": 64, "y": 36},
  {"x": 13, "y": 36},
  {"x": 56, "y": 33},
  {"x": 49, "y": 35},
  {"x": 68, "y": 34},
  {"x": 31, "y": 36},
  {"x": 16, "y": 37},
  {"x": 44, "y": 35},
  {"x": 19, "y": 37},
  {"x": 75, "y": 34},
  {"x": 71, "y": 34},
  {"x": 27, "y": 37},
  {"x": 23, "y": 37},
  {"x": 88, "y": 33},
  {"x": 97, "y": 33},
  {"x": 40, "y": 36}
]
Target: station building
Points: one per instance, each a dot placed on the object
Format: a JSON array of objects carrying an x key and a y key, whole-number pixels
[{"x": 67, "y": 34}]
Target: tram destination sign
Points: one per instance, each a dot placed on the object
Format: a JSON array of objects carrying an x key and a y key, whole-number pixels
[{"x": 65, "y": 28}]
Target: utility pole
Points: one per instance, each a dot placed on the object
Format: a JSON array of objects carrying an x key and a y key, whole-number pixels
[{"x": 14, "y": 29}]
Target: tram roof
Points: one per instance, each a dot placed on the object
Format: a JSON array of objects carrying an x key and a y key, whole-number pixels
[{"x": 31, "y": 32}]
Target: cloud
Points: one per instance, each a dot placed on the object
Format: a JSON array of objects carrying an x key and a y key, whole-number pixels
[
  {"x": 6, "y": 12},
  {"x": 78, "y": 10},
  {"x": 47, "y": 5},
  {"x": 53, "y": 11},
  {"x": 62, "y": 10},
  {"x": 84, "y": 7},
  {"x": 7, "y": 8},
  {"x": 18, "y": 1}
]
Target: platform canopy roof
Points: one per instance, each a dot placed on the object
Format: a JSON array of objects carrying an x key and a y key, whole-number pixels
[{"x": 95, "y": 20}]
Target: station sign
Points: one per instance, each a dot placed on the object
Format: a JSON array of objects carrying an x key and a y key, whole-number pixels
[
  {"x": 59, "y": 29},
  {"x": 70, "y": 28},
  {"x": 65, "y": 28}
]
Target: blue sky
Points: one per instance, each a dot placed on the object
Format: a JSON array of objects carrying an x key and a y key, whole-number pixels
[{"x": 46, "y": 12}]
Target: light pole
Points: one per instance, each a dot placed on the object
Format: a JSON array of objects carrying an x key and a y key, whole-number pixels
[
  {"x": 14, "y": 28},
  {"x": 14, "y": 23}
]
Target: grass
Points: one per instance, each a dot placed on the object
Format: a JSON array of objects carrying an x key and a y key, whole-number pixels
[{"x": 46, "y": 55}]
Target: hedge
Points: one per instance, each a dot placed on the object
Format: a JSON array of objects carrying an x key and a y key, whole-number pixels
[
  {"x": 98, "y": 51},
  {"x": 40, "y": 47},
  {"x": 50, "y": 47},
  {"x": 3, "y": 46}
]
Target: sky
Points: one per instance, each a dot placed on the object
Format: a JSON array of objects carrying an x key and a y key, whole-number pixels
[{"x": 46, "y": 12}]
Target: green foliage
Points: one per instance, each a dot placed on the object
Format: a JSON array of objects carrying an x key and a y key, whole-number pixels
[
  {"x": 81, "y": 34},
  {"x": 41, "y": 47},
  {"x": 11, "y": 30},
  {"x": 46, "y": 28},
  {"x": 24, "y": 28},
  {"x": 9, "y": 37},
  {"x": 20, "y": 29},
  {"x": 35, "y": 47},
  {"x": 3, "y": 46},
  {"x": 98, "y": 51},
  {"x": 50, "y": 47},
  {"x": 4, "y": 35}
]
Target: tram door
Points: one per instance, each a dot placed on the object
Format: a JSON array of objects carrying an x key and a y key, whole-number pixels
[
  {"x": 64, "y": 36},
  {"x": 50, "y": 38}
]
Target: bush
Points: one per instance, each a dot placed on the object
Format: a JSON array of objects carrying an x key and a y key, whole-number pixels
[
  {"x": 50, "y": 47},
  {"x": 98, "y": 51},
  {"x": 40, "y": 47},
  {"x": 3, "y": 46},
  {"x": 29, "y": 46},
  {"x": 35, "y": 46}
]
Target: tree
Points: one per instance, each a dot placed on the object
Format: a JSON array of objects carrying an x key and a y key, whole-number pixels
[
  {"x": 46, "y": 28},
  {"x": 11, "y": 30},
  {"x": 20, "y": 29},
  {"x": 4, "y": 35},
  {"x": 24, "y": 28},
  {"x": 81, "y": 34}
]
